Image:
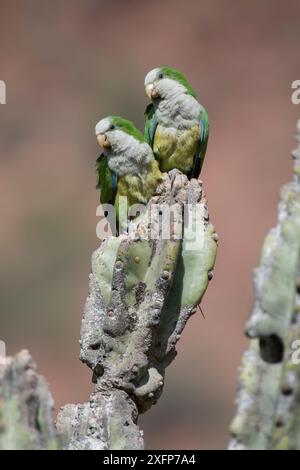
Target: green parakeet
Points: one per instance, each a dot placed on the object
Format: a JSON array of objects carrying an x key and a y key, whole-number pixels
[
  {"x": 127, "y": 166},
  {"x": 177, "y": 125}
]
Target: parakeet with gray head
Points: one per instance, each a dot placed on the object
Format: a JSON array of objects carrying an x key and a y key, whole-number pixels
[
  {"x": 177, "y": 125},
  {"x": 127, "y": 166}
]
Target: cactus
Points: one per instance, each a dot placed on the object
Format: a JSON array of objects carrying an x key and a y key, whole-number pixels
[
  {"x": 268, "y": 411},
  {"x": 143, "y": 288},
  {"x": 25, "y": 406}
]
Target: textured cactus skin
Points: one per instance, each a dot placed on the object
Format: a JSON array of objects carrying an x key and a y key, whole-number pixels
[
  {"x": 107, "y": 421},
  {"x": 268, "y": 412},
  {"x": 26, "y": 406},
  {"x": 194, "y": 265},
  {"x": 103, "y": 261},
  {"x": 143, "y": 288}
]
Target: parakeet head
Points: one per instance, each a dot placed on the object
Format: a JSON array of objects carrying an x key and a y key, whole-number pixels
[
  {"x": 114, "y": 129},
  {"x": 123, "y": 144},
  {"x": 164, "y": 82}
]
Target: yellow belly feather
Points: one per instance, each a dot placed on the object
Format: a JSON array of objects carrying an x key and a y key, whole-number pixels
[{"x": 175, "y": 148}]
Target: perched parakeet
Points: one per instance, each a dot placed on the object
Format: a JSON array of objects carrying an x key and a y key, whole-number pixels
[
  {"x": 127, "y": 166},
  {"x": 177, "y": 125}
]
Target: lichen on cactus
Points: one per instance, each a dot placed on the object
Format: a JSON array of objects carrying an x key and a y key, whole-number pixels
[{"x": 268, "y": 411}]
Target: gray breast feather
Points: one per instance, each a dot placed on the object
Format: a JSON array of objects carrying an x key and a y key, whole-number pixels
[
  {"x": 127, "y": 155},
  {"x": 180, "y": 111}
]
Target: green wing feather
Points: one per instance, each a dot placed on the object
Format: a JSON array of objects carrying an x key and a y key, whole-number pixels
[
  {"x": 150, "y": 124},
  {"x": 106, "y": 181},
  {"x": 204, "y": 134}
]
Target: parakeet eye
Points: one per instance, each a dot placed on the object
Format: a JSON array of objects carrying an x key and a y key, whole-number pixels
[
  {"x": 160, "y": 75},
  {"x": 112, "y": 127}
]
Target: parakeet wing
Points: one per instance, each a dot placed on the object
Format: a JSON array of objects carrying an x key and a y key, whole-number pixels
[
  {"x": 150, "y": 124},
  {"x": 204, "y": 133},
  {"x": 106, "y": 181}
]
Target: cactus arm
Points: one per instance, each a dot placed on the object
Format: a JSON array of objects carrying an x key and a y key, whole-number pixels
[
  {"x": 268, "y": 411},
  {"x": 25, "y": 406}
]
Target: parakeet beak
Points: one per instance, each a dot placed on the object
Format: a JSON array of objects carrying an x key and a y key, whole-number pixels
[
  {"x": 151, "y": 92},
  {"x": 102, "y": 140}
]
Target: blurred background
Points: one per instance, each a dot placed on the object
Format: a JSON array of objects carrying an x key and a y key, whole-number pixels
[{"x": 66, "y": 65}]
